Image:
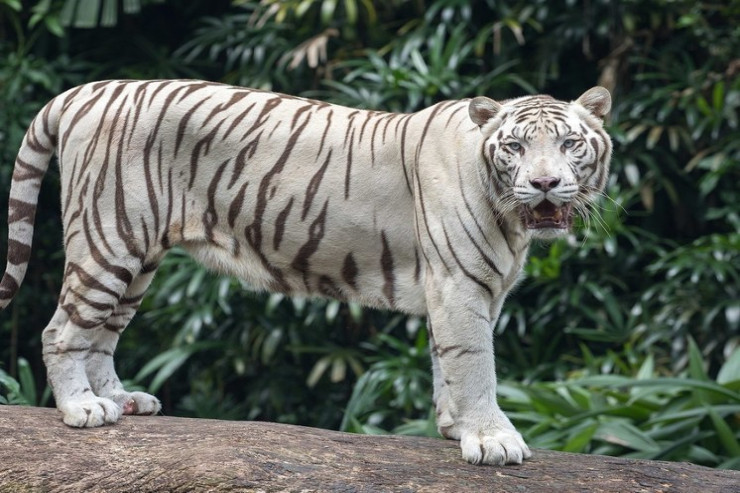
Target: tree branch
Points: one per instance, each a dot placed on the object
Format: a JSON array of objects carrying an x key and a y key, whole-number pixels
[{"x": 39, "y": 453}]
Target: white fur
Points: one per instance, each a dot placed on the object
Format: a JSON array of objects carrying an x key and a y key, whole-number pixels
[{"x": 409, "y": 212}]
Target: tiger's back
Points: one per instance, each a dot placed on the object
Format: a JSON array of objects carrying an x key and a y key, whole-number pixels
[
  {"x": 428, "y": 213},
  {"x": 250, "y": 184}
]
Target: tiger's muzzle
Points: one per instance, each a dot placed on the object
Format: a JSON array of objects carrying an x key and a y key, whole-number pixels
[{"x": 545, "y": 204}]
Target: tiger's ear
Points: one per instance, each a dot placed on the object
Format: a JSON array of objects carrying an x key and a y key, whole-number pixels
[
  {"x": 482, "y": 109},
  {"x": 597, "y": 101}
]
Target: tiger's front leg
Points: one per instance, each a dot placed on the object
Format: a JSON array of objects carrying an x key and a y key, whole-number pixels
[{"x": 461, "y": 336}]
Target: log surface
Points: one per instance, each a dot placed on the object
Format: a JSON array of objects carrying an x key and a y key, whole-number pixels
[{"x": 147, "y": 454}]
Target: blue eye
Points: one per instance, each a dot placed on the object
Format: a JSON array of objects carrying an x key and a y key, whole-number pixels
[
  {"x": 514, "y": 146},
  {"x": 568, "y": 143}
]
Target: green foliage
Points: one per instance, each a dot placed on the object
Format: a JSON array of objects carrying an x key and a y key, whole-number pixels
[
  {"x": 624, "y": 335},
  {"x": 690, "y": 417},
  {"x": 394, "y": 390},
  {"x": 22, "y": 391},
  {"x": 92, "y": 13}
]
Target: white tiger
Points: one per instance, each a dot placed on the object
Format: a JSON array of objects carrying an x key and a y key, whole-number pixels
[{"x": 427, "y": 213}]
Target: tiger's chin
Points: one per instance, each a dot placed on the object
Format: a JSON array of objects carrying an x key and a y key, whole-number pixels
[{"x": 547, "y": 220}]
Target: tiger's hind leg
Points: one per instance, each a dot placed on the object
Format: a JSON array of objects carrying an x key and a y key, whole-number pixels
[
  {"x": 91, "y": 292},
  {"x": 65, "y": 346},
  {"x": 99, "y": 366}
]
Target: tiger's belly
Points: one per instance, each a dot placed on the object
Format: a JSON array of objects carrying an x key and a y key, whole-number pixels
[{"x": 381, "y": 276}]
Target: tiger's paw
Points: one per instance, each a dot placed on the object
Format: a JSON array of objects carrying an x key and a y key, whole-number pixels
[
  {"x": 141, "y": 403},
  {"x": 136, "y": 402},
  {"x": 90, "y": 412},
  {"x": 495, "y": 447}
]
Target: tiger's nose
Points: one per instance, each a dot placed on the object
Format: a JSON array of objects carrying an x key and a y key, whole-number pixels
[{"x": 545, "y": 183}]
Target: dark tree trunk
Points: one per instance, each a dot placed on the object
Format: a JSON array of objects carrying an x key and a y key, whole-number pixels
[{"x": 39, "y": 453}]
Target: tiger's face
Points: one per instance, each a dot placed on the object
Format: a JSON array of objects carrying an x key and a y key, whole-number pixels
[{"x": 545, "y": 159}]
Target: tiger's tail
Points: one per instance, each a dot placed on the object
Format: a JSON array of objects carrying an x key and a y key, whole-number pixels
[{"x": 39, "y": 144}]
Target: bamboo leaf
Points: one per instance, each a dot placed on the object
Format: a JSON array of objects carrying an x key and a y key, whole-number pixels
[
  {"x": 730, "y": 371},
  {"x": 718, "y": 96},
  {"x": 338, "y": 370},
  {"x": 696, "y": 362},
  {"x": 318, "y": 370},
  {"x": 626, "y": 435},
  {"x": 28, "y": 385},
  {"x": 350, "y": 6},
  {"x": 653, "y": 137},
  {"x": 579, "y": 441},
  {"x": 660, "y": 384},
  {"x": 724, "y": 433},
  {"x": 327, "y": 10}
]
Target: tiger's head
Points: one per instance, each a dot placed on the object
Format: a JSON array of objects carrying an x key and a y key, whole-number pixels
[{"x": 545, "y": 159}]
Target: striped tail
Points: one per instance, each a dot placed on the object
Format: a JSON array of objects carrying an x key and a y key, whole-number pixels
[{"x": 31, "y": 164}]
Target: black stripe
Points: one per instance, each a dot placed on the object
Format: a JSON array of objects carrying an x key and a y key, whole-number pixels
[
  {"x": 350, "y": 271},
  {"x": 386, "y": 263},
  {"x": 467, "y": 273},
  {"x": 210, "y": 216},
  {"x": 236, "y": 205},
  {"x": 282, "y": 218},
  {"x": 349, "y": 165},
  {"x": 489, "y": 262},
  {"x": 315, "y": 235},
  {"x": 313, "y": 186}
]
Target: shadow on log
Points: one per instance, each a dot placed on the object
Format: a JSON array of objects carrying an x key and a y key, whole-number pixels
[{"x": 141, "y": 454}]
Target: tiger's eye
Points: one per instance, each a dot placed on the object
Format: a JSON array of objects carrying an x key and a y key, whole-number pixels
[
  {"x": 568, "y": 143},
  {"x": 514, "y": 146}
]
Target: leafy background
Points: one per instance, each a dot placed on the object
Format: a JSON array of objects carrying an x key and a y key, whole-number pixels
[{"x": 624, "y": 338}]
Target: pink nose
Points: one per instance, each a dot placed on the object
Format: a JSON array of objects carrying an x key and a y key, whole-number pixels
[{"x": 545, "y": 183}]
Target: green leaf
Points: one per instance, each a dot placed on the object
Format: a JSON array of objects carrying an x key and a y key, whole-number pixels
[
  {"x": 168, "y": 362},
  {"x": 350, "y": 7},
  {"x": 647, "y": 369},
  {"x": 54, "y": 26},
  {"x": 332, "y": 310},
  {"x": 174, "y": 361},
  {"x": 730, "y": 371},
  {"x": 87, "y": 13},
  {"x": 13, "y": 4},
  {"x": 28, "y": 385},
  {"x": 338, "y": 370},
  {"x": 696, "y": 362},
  {"x": 660, "y": 384},
  {"x": 130, "y": 6},
  {"x": 12, "y": 390},
  {"x": 319, "y": 368},
  {"x": 196, "y": 282},
  {"x": 718, "y": 96},
  {"x": 685, "y": 415},
  {"x": 579, "y": 441},
  {"x": 626, "y": 435},
  {"x": 725, "y": 434},
  {"x": 683, "y": 441},
  {"x": 109, "y": 15},
  {"x": 270, "y": 345},
  {"x": 703, "y": 106},
  {"x": 732, "y": 463},
  {"x": 327, "y": 10}
]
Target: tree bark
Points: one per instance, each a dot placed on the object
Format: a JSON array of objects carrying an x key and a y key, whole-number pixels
[{"x": 142, "y": 454}]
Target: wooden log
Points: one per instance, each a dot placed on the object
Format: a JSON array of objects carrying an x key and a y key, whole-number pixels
[{"x": 143, "y": 454}]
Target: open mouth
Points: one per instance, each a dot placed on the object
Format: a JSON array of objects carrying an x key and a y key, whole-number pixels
[{"x": 547, "y": 216}]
